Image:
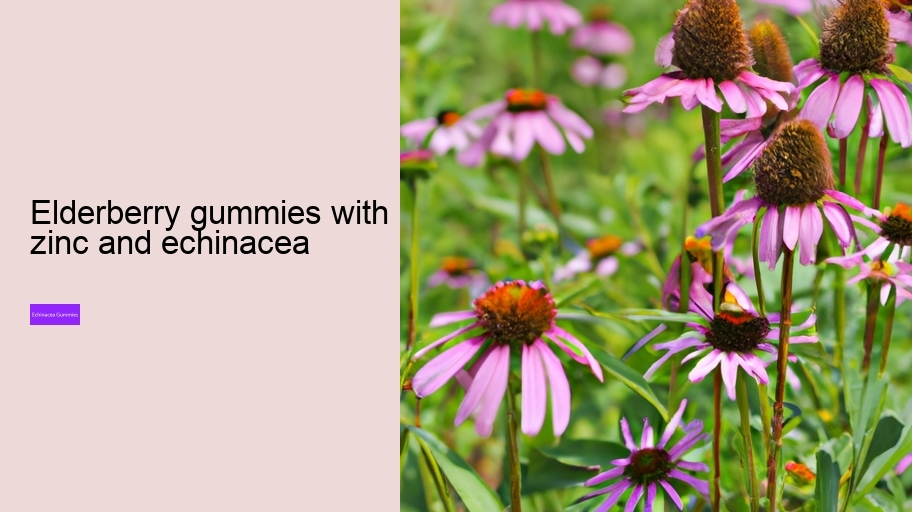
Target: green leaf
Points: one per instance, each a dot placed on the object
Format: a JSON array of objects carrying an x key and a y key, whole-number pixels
[
  {"x": 544, "y": 473},
  {"x": 475, "y": 494},
  {"x": 432, "y": 38},
  {"x": 827, "y": 490},
  {"x": 629, "y": 377},
  {"x": 886, "y": 435},
  {"x": 586, "y": 452},
  {"x": 900, "y": 72},
  {"x": 660, "y": 315}
]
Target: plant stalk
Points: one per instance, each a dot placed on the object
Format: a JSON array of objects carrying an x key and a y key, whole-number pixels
[
  {"x": 862, "y": 150},
  {"x": 713, "y": 147},
  {"x": 513, "y": 442},
  {"x": 785, "y": 324},
  {"x": 744, "y": 409},
  {"x": 887, "y": 330},
  {"x": 523, "y": 192},
  {"x": 413, "y": 275},
  {"x": 870, "y": 326},
  {"x": 878, "y": 183},
  {"x": 553, "y": 203},
  {"x": 843, "y": 154},
  {"x": 715, "y": 487}
]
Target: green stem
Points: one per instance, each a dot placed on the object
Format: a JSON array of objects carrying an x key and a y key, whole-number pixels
[
  {"x": 843, "y": 154},
  {"x": 413, "y": 262},
  {"x": 536, "y": 58},
  {"x": 442, "y": 489},
  {"x": 766, "y": 413},
  {"x": 785, "y": 324},
  {"x": 878, "y": 183},
  {"x": 513, "y": 441},
  {"x": 716, "y": 487},
  {"x": 862, "y": 150},
  {"x": 553, "y": 203},
  {"x": 758, "y": 278},
  {"x": 888, "y": 330},
  {"x": 870, "y": 326},
  {"x": 523, "y": 192},
  {"x": 713, "y": 146},
  {"x": 744, "y": 409},
  {"x": 839, "y": 309}
]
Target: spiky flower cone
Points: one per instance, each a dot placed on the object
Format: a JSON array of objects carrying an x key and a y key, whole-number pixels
[
  {"x": 709, "y": 40},
  {"x": 770, "y": 51},
  {"x": 794, "y": 169},
  {"x": 856, "y": 38}
]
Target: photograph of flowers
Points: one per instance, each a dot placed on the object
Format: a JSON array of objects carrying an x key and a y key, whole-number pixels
[{"x": 655, "y": 255}]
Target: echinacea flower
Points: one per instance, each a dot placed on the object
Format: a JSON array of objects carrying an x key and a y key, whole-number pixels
[
  {"x": 732, "y": 336},
  {"x": 794, "y": 182},
  {"x": 893, "y": 228},
  {"x": 855, "y": 42},
  {"x": 515, "y": 317},
  {"x": 710, "y": 49},
  {"x": 532, "y": 14},
  {"x": 599, "y": 257},
  {"x": 602, "y": 37},
  {"x": 522, "y": 118},
  {"x": 588, "y": 71},
  {"x": 773, "y": 61},
  {"x": 651, "y": 465},
  {"x": 458, "y": 272},
  {"x": 451, "y": 130},
  {"x": 416, "y": 164}
]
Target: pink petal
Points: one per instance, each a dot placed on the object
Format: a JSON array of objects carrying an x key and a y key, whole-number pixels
[
  {"x": 560, "y": 389},
  {"x": 791, "y": 226},
  {"x": 706, "y": 365},
  {"x": 807, "y": 72},
  {"x": 441, "y": 319},
  {"x": 547, "y": 134},
  {"x": 896, "y": 111},
  {"x": 534, "y": 391},
  {"x": 733, "y": 97},
  {"x": 587, "y": 356},
  {"x": 442, "y": 368},
  {"x": 586, "y": 70},
  {"x": 810, "y": 232},
  {"x": 848, "y": 106},
  {"x": 819, "y": 106}
]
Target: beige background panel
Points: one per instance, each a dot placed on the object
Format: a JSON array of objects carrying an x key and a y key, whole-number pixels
[{"x": 228, "y": 383}]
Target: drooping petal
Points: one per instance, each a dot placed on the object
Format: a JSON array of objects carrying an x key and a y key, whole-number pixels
[
  {"x": 487, "y": 390},
  {"x": 730, "y": 363},
  {"x": 523, "y": 135},
  {"x": 896, "y": 111},
  {"x": 848, "y": 106},
  {"x": 672, "y": 424},
  {"x": 791, "y": 226},
  {"x": 807, "y": 72},
  {"x": 534, "y": 390},
  {"x": 733, "y": 97},
  {"x": 701, "y": 486},
  {"x": 441, "y": 319},
  {"x": 547, "y": 134},
  {"x": 770, "y": 238},
  {"x": 663, "y": 52},
  {"x": 810, "y": 233},
  {"x": 840, "y": 222},
  {"x": 442, "y": 368},
  {"x": 634, "y": 498},
  {"x": 819, "y": 106},
  {"x": 560, "y": 389},
  {"x": 604, "y": 477},
  {"x": 672, "y": 494},
  {"x": 588, "y": 358},
  {"x": 706, "y": 365},
  {"x": 650, "y": 497},
  {"x": 441, "y": 341}
]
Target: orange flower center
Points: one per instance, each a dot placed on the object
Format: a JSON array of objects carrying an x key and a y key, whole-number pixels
[
  {"x": 457, "y": 265},
  {"x": 448, "y": 118},
  {"x": 523, "y": 100},
  {"x": 515, "y": 312},
  {"x": 897, "y": 227},
  {"x": 601, "y": 248}
]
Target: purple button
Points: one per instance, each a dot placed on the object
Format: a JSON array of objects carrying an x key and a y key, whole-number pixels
[{"x": 54, "y": 314}]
